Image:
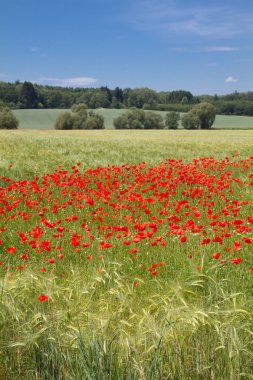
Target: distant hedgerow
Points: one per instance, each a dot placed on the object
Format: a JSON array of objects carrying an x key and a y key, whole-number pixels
[{"x": 79, "y": 118}]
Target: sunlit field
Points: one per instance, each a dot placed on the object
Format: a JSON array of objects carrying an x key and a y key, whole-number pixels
[
  {"x": 45, "y": 119},
  {"x": 126, "y": 254}
]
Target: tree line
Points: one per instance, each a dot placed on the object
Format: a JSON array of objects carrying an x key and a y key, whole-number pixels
[
  {"x": 26, "y": 95},
  {"x": 201, "y": 116}
]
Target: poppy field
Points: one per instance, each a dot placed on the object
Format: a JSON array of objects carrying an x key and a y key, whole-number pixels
[{"x": 128, "y": 269}]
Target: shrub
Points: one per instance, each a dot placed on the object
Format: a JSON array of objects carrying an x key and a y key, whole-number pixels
[
  {"x": 121, "y": 122},
  {"x": 80, "y": 108},
  {"x": 79, "y": 118},
  {"x": 153, "y": 121},
  {"x": 190, "y": 120},
  {"x": 7, "y": 119},
  {"x": 94, "y": 121},
  {"x": 138, "y": 119},
  {"x": 172, "y": 120},
  {"x": 206, "y": 113},
  {"x": 64, "y": 121},
  {"x": 200, "y": 116}
]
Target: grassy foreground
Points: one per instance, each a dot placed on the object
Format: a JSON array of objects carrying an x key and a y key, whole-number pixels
[
  {"x": 45, "y": 119},
  {"x": 126, "y": 255}
]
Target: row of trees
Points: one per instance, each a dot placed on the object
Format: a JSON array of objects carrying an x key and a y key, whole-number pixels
[
  {"x": 79, "y": 118},
  {"x": 28, "y": 95},
  {"x": 201, "y": 116}
]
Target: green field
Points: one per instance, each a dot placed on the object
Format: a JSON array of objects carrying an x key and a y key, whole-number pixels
[
  {"x": 162, "y": 300},
  {"x": 44, "y": 119},
  {"x": 33, "y": 151}
]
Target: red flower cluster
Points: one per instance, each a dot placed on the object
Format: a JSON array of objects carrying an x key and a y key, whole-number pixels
[{"x": 205, "y": 206}]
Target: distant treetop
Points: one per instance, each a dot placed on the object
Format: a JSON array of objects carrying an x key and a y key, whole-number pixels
[{"x": 29, "y": 95}]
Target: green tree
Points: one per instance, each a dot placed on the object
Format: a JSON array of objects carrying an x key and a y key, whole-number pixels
[
  {"x": 7, "y": 119},
  {"x": 79, "y": 118},
  {"x": 200, "y": 116},
  {"x": 153, "y": 121},
  {"x": 138, "y": 119},
  {"x": 131, "y": 119},
  {"x": 206, "y": 113},
  {"x": 80, "y": 115},
  {"x": 139, "y": 96},
  {"x": 190, "y": 120},
  {"x": 80, "y": 108},
  {"x": 94, "y": 121},
  {"x": 116, "y": 103},
  {"x": 28, "y": 95},
  {"x": 118, "y": 94},
  {"x": 121, "y": 122},
  {"x": 64, "y": 121},
  {"x": 172, "y": 120}
]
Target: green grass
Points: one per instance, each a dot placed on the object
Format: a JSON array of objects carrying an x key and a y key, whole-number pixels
[
  {"x": 185, "y": 325},
  {"x": 36, "y": 151},
  {"x": 44, "y": 119}
]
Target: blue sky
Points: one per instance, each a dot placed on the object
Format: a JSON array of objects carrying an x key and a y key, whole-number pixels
[{"x": 205, "y": 47}]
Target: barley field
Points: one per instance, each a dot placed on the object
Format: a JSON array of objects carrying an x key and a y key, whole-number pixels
[{"x": 126, "y": 254}]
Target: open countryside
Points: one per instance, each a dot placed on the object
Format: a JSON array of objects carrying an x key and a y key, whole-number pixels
[
  {"x": 126, "y": 190},
  {"x": 45, "y": 119},
  {"x": 121, "y": 248}
]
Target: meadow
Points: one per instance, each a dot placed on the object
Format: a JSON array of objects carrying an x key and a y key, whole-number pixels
[
  {"x": 45, "y": 118},
  {"x": 126, "y": 254}
]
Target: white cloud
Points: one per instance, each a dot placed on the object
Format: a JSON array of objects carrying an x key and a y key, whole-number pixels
[
  {"x": 68, "y": 82},
  {"x": 221, "y": 48},
  {"x": 166, "y": 16},
  {"x": 231, "y": 79}
]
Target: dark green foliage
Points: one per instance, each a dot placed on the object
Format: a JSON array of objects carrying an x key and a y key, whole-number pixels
[
  {"x": 80, "y": 108},
  {"x": 64, "y": 121},
  {"x": 28, "y": 96},
  {"x": 153, "y": 121},
  {"x": 190, "y": 120},
  {"x": 201, "y": 116},
  {"x": 118, "y": 94},
  {"x": 132, "y": 119},
  {"x": 7, "y": 119},
  {"x": 79, "y": 121},
  {"x": 139, "y": 96},
  {"x": 79, "y": 118},
  {"x": 138, "y": 119},
  {"x": 94, "y": 121},
  {"x": 172, "y": 120},
  {"x": 206, "y": 113}
]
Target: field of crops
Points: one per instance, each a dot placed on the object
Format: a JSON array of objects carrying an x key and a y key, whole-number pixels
[
  {"x": 126, "y": 254},
  {"x": 44, "y": 119}
]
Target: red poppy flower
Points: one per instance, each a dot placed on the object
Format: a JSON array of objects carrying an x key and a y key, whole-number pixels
[
  {"x": 216, "y": 256},
  {"x": 42, "y": 298},
  {"x": 236, "y": 260},
  {"x": 11, "y": 249}
]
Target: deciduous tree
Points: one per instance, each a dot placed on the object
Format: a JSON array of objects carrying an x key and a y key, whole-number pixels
[
  {"x": 7, "y": 119},
  {"x": 172, "y": 120}
]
